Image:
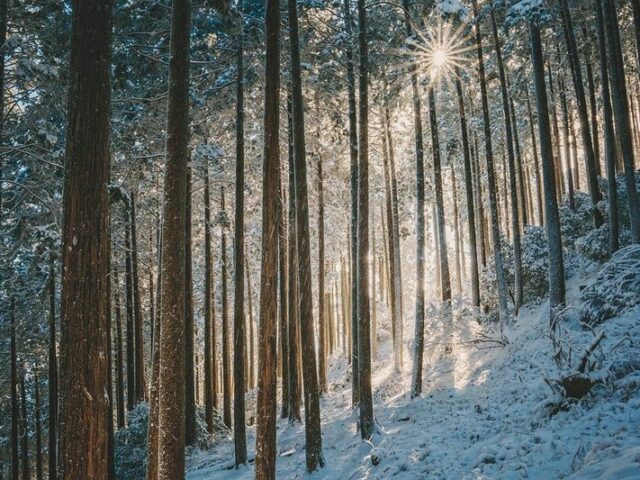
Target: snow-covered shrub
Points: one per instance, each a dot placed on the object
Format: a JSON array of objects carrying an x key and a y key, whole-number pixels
[
  {"x": 578, "y": 222},
  {"x": 595, "y": 244},
  {"x": 130, "y": 445},
  {"x": 535, "y": 268},
  {"x": 616, "y": 287}
]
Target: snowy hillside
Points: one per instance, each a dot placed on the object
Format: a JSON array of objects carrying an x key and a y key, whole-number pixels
[{"x": 484, "y": 413}]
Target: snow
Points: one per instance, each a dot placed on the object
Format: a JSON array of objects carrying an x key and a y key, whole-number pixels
[{"x": 484, "y": 412}]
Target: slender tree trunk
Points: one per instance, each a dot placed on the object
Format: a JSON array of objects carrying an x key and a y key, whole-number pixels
[
  {"x": 53, "y": 376},
  {"x": 566, "y": 145},
  {"x": 621, "y": 114},
  {"x": 171, "y": 418},
  {"x": 513, "y": 186},
  {"x": 226, "y": 353},
  {"x": 353, "y": 154},
  {"x": 609, "y": 134},
  {"x": 24, "y": 429},
  {"x": 140, "y": 392},
  {"x": 491, "y": 182},
  {"x": 15, "y": 408},
  {"x": 265, "y": 463},
  {"x": 189, "y": 326},
  {"x": 522, "y": 202},
  {"x": 131, "y": 322},
  {"x": 252, "y": 355},
  {"x": 364, "y": 335},
  {"x": 445, "y": 279},
  {"x": 593, "y": 106},
  {"x": 294, "y": 308},
  {"x": 322, "y": 322},
  {"x": 38, "y": 421},
  {"x": 313, "y": 450},
  {"x": 209, "y": 379},
  {"x": 468, "y": 181},
  {"x": 85, "y": 305},
  {"x": 554, "y": 239},
  {"x": 418, "y": 353},
  {"x": 283, "y": 307},
  {"x": 4, "y": 4},
  {"x": 457, "y": 233},
  {"x": 239, "y": 431},
  {"x": 587, "y": 142},
  {"x": 120, "y": 411},
  {"x": 536, "y": 162}
]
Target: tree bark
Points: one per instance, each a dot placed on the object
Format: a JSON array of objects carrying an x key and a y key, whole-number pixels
[
  {"x": 189, "y": 326},
  {"x": 120, "y": 412},
  {"x": 53, "y": 376},
  {"x": 84, "y": 310},
  {"x": 171, "y": 418},
  {"x": 239, "y": 431},
  {"x": 209, "y": 379},
  {"x": 322, "y": 318},
  {"x": 265, "y": 463},
  {"x": 140, "y": 392},
  {"x": 15, "y": 408},
  {"x": 24, "y": 429},
  {"x": 38, "y": 422},
  {"x": 554, "y": 239},
  {"x": 226, "y": 353},
  {"x": 131, "y": 321}
]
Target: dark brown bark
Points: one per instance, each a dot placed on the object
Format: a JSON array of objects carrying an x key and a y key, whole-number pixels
[
  {"x": 265, "y": 463},
  {"x": 53, "y": 377},
  {"x": 171, "y": 394},
  {"x": 536, "y": 162},
  {"x": 131, "y": 322},
  {"x": 313, "y": 435},
  {"x": 226, "y": 340},
  {"x": 140, "y": 392},
  {"x": 85, "y": 304},
  {"x": 120, "y": 412},
  {"x": 322, "y": 317},
  {"x": 209, "y": 379},
  {"x": 189, "y": 326},
  {"x": 284, "y": 306},
  {"x": 239, "y": 431}
]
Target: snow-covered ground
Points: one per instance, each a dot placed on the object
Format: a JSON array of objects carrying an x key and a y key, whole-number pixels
[{"x": 483, "y": 413}]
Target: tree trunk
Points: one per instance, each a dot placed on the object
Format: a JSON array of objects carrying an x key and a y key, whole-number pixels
[
  {"x": 140, "y": 393},
  {"x": 24, "y": 429},
  {"x": 418, "y": 352},
  {"x": 85, "y": 304},
  {"x": 38, "y": 422},
  {"x": 364, "y": 340},
  {"x": 53, "y": 376},
  {"x": 554, "y": 239},
  {"x": 566, "y": 145},
  {"x": 265, "y": 462},
  {"x": 4, "y": 4},
  {"x": 353, "y": 154},
  {"x": 189, "y": 326},
  {"x": 536, "y": 162},
  {"x": 313, "y": 434},
  {"x": 587, "y": 143},
  {"x": 513, "y": 186},
  {"x": 468, "y": 182},
  {"x": 239, "y": 432},
  {"x": 621, "y": 112},
  {"x": 491, "y": 182},
  {"x": 15, "y": 408},
  {"x": 120, "y": 412},
  {"x": 322, "y": 321},
  {"x": 171, "y": 418},
  {"x": 283, "y": 307},
  {"x": 226, "y": 353},
  {"x": 609, "y": 134},
  {"x": 522, "y": 202},
  {"x": 209, "y": 379},
  {"x": 131, "y": 322}
]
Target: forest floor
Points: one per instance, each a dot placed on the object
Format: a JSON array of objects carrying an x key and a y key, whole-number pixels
[{"x": 484, "y": 413}]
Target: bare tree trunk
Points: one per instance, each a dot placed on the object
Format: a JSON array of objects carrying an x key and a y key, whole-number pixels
[
  {"x": 24, "y": 429},
  {"x": 609, "y": 134},
  {"x": 120, "y": 411},
  {"x": 265, "y": 462},
  {"x": 536, "y": 162},
  {"x": 491, "y": 183},
  {"x": 239, "y": 431},
  {"x": 566, "y": 144},
  {"x": 131, "y": 319},
  {"x": 322, "y": 322},
  {"x": 313, "y": 450},
  {"x": 85, "y": 305},
  {"x": 140, "y": 392},
  {"x": 15, "y": 408},
  {"x": 621, "y": 114},
  {"x": 171, "y": 424},
  {"x": 53, "y": 376},
  {"x": 226, "y": 353},
  {"x": 209, "y": 379},
  {"x": 38, "y": 422},
  {"x": 189, "y": 326},
  {"x": 556, "y": 264},
  {"x": 283, "y": 307}
]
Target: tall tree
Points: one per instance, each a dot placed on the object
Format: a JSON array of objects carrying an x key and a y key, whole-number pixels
[
  {"x": 15, "y": 408},
  {"x": 209, "y": 379},
  {"x": 322, "y": 317},
  {"x": 491, "y": 182},
  {"x": 609, "y": 134},
  {"x": 140, "y": 392},
  {"x": 265, "y": 462},
  {"x": 226, "y": 341},
  {"x": 53, "y": 376},
  {"x": 313, "y": 450},
  {"x": 85, "y": 234},
  {"x": 554, "y": 239},
  {"x": 578, "y": 85},
  {"x": 24, "y": 429},
  {"x": 239, "y": 432},
  {"x": 189, "y": 325},
  {"x": 38, "y": 422},
  {"x": 621, "y": 113},
  {"x": 364, "y": 336},
  {"x": 171, "y": 412},
  {"x": 120, "y": 413}
]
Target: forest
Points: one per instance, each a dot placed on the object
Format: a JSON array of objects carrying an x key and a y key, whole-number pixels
[{"x": 347, "y": 239}]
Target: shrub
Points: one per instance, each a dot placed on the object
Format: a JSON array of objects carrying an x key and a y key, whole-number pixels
[{"x": 130, "y": 445}]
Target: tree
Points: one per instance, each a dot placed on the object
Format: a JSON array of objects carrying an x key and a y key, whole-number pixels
[
  {"x": 15, "y": 412},
  {"x": 209, "y": 375},
  {"x": 239, "y": 433},
  {"x": 53, "y": 376},
  {"x": 364, "y": 337},
  {"x": 554, "y": 239},
  {"x": 226, "y": 354},
  {"x": 120, "y": 413},
  {"x": 171, "y": 412},
  {"x": 84, "y": 408},
  {"x": 265, "y": 462},
  {"x": 322, "y": 320},
  {"x": 190, "y": 396},
  {"x": 313, "y": 434}
]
